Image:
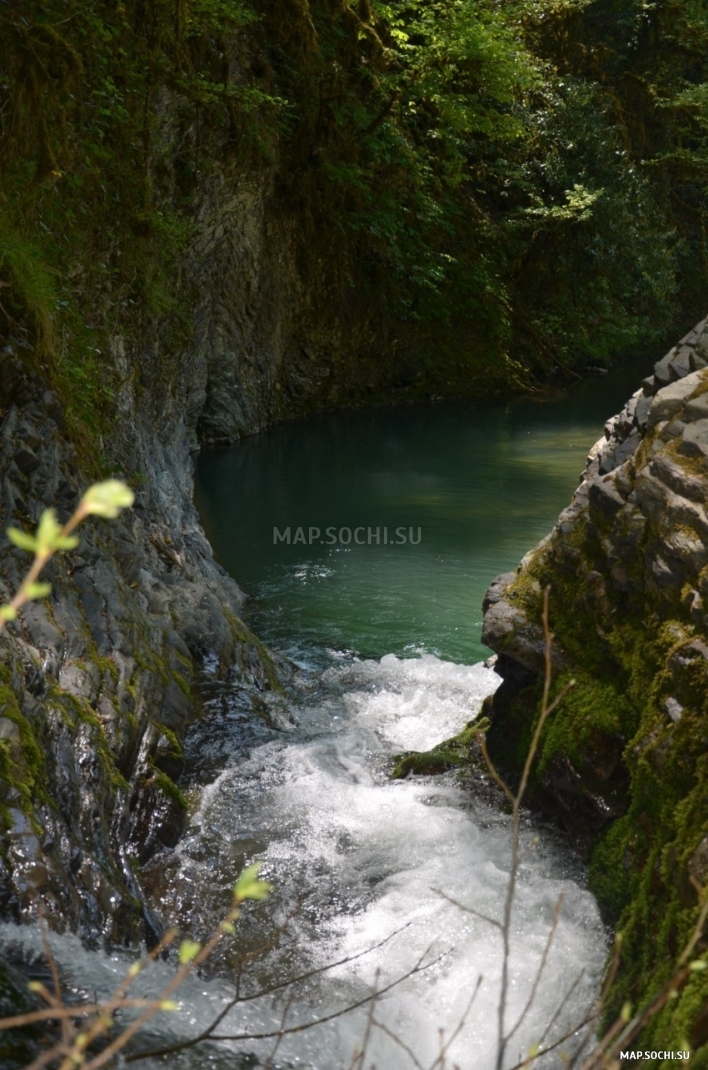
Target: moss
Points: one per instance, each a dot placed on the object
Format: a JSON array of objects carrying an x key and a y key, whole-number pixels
[
  {"x": 176, "y": 749},
  {"x": 183, "y": 684},
  {"x": 168, "y": 787},
  {"x": 28, "y": 777},
  {"x": 630, "y": 650},
  {"x": 76, "y": 709},
  {"x": 580, "y": 638},
  {"x": 243, "y": 635},
  {"x": 450, "y": 754},
  {"x": 612, "y": 878},
  {"x": 108, "y": 668},
  {"x": 591, "y": 713}
]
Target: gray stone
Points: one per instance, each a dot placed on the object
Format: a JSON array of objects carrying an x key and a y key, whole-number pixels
[
  {"x": 82, "y": 680},
  {"x": 666, "y": 573},
  {"x": 650, "y": 386},
  {"x": 641, "y": 412},
  {"x": 697, "y": 362},
  {"x": 670, "y": 429},
  {"x": 695, "y": 439},
  {"x": 26, "y": 459},
  {"x": 670, "y": 399},
  {"x": 9, "y": 730},
  {"x": 623, "y": 479},
  {"x": 662, "y": 368},
  {"x": 694, "y": 603},
  {"x": 604, "y": 499},
  {"x": 650, "y": 495},
  {"x": 507, "y": 630},
  {"x": 497, "y": 589},
  {"x": 696, "y": 408},
  {"x": 621, "y": 453},
  {"x": 681, "y": 481},
  {"x": 674, "y": 709},
  {"x": 680, "y": 364},
  {"x": 686, "y": 546},
  {"x": 689, "y": 654}
]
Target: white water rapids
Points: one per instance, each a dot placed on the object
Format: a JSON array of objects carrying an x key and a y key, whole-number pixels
[{"x": 370, "y": 856}]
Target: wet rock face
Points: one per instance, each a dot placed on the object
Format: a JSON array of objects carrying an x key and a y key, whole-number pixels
[
  {"x": 622, "y": 764},
  {"x": 96, "y": 682},
  {"x": 636, "y": 530}
]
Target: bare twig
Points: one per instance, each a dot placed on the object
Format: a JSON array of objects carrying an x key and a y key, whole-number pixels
[
  {"x": 418, "y": 968},
  {"x": 237, "y": 999},
  {"x": 401, "y": 1043},
  {"x": 467, "y": 909},
  {"x": 446, "y": 1045},
  {"x": 541, "y": 967},
  {"x": 281, "y": 1033}
]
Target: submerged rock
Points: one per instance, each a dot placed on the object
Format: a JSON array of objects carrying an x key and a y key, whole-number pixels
[{"x": 623, "y": 762}]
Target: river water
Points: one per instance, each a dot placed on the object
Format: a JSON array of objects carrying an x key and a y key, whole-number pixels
[{"x": 386, "y": 635}]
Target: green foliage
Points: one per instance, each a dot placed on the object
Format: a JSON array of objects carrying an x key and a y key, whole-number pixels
[
  {"x": 525, "y": 182},
  {"x": 106, "y": 499},
  {"x": 93, "y": 218},
  {"x": 188, "y": 951},
  {"x": 250, "y": 886},
  {"x": 612, "y": 879}
]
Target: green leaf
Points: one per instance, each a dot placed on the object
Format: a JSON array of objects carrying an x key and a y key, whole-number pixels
[
  {"x": 189, "y": 949},
  {"x": 248, "y": 886},
  {"x": 37, "y": 590},
  {"x": 22, "y": 539},
  {"x": 66, "y": 542},
  {"x": 698, "y": 966},
  {"x": 108, "y": 498},
  {"x": 7, "y": 613},
  {"x": 48, "y": 532}
]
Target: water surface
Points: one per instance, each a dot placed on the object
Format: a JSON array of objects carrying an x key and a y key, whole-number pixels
[
  {"x": 480, "y": 485},
  {"x": 364, "y": 868}
]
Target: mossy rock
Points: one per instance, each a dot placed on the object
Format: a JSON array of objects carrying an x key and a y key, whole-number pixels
[{"x": 452, "y": 753}]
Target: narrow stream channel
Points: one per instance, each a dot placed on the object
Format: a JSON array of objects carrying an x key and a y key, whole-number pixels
[
  {"x": 388, "y": 641},
  {"x": 386, "y": 636}
]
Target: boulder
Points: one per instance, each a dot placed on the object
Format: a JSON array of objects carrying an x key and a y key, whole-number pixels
[
  {"x": 669, "y": 401},
  {"x": 695, "y": 440}
]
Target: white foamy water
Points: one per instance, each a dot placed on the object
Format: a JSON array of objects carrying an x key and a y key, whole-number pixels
[{"x": 370, "y": 857}]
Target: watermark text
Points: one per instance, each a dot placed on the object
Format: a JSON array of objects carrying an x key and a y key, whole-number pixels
[{"x": 359, "y": 536}]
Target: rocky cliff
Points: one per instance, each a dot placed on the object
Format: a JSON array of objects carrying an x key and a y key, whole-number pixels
[
  {"x": 624, "y": 762},
  {"x": 262, "y": 317},
  {"x": 96, "y": 683}
]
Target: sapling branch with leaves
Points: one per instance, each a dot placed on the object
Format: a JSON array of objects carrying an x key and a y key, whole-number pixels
[
  {"x": 95, "y": 1034},
  {"x": 106, "y": 499},
  {"x": 86, "y": 1025}
]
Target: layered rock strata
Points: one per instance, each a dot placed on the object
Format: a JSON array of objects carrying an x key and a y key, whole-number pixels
[
  {"x": 623, "y": 763},
  {"x": 97, "y": 682}
]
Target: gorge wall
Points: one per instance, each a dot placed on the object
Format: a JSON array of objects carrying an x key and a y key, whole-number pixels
[
  {"x": 175, "y": 271},
  {"x": 98, "y": 682},
  {"x": 623, "y": 762}
]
